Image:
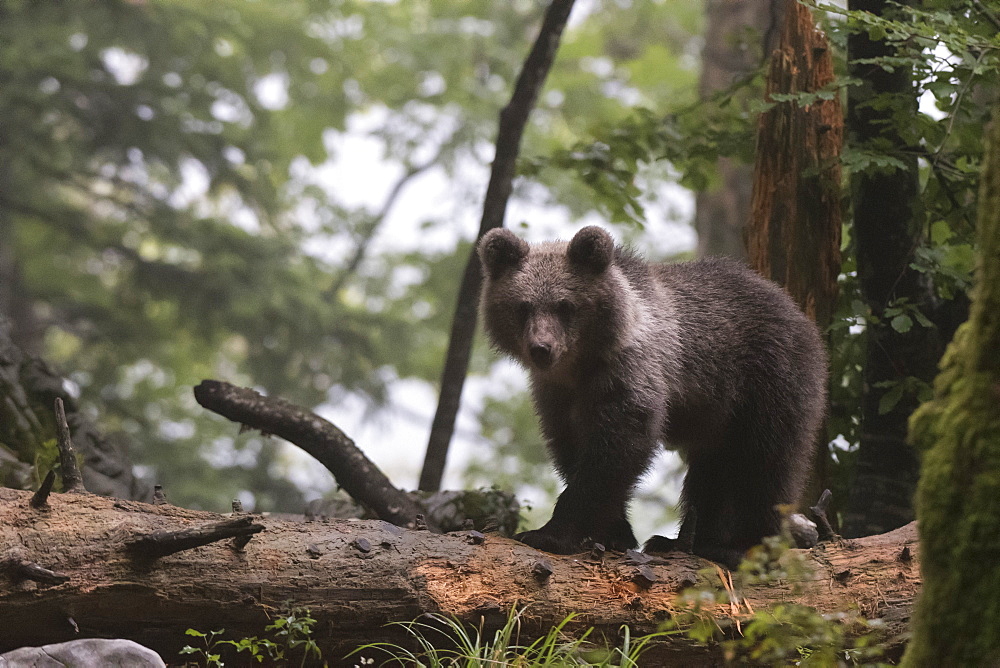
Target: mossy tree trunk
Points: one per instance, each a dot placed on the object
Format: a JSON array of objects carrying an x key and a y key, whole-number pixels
[{"x": 958, "y": 498}]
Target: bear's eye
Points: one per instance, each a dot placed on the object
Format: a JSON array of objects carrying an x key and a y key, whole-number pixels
[
  {"x": 523, "y": 309},
  {"x": 565, "y": 308}
]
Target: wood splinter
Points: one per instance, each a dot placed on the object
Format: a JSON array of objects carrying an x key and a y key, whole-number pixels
[
  {"x": 826, "y": 531},
  {"x": 41, "y": 498},
  {"x": 26, "y": 570},
  {"x": 71, "y": 478},
  {"x": 162, "y": 543},
  {"x": 159, "y": 498}
]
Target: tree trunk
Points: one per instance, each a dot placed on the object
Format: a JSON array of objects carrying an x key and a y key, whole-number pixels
[
  {"x": 356, "y": 576},
  {"x": 15, "y": 301},
  {"x": 887, "y": 232},
  {"x": 793, "y": 236},
  {"x": 513, "y": 119},
  {"x": 738, "y": 34},
  {"x": 958, "y": 499}
]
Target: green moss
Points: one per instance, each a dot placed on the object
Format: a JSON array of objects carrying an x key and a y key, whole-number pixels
[{"x": 957, "y": 621}]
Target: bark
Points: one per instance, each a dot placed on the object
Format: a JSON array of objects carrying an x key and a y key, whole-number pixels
[
  {"x": 513, "y": 119},
  {"x": 355, "y": 576},
  {"x": 887, "y": 231},
  {"x": 958, "y": 499},
  {"x": 793, "y": 236},
  {"x": 738, "y": 34}
]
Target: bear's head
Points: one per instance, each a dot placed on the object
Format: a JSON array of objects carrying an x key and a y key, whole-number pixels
[{"x": 550, "y": 304}]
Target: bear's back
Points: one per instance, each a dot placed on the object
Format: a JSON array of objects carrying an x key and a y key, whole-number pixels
[{"x": 739, "y": 339}]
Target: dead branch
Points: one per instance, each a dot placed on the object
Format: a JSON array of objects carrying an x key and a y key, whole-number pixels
[
  {"x": 41, "y": 497},
  {"x": 161, "y": 543},
  {"x": 354, "y": 472}
]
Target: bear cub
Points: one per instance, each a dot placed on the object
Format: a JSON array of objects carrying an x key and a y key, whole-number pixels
[{"x": 705, "y": 356}]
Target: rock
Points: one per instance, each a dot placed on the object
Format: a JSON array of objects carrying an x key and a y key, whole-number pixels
[
  {"x": 86, "y": 652},
  {"x": 803, "y": 530}
]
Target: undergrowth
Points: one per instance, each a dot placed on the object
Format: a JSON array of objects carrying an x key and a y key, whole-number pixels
[
  {"x": 444, "y": 642},
  {"x": 290, "y": 643},
  {"x": 786, "y": 634}
]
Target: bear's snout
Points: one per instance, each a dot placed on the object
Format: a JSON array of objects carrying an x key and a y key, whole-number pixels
[
  {"x": 544, "y": 341},
  {"x": 541, "y": 354}
]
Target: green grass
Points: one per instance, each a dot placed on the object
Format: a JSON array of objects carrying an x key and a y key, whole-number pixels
[{"x": 444, "y": 642}]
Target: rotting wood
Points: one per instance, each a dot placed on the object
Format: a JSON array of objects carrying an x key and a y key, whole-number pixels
[
  {"x": 793, "y": 236},
  {"x": 826, "y": 531},
  {"x": 794, "y": 233},
  {"x": 354, "y": 592},
  {"x": 28, "y": 387}
]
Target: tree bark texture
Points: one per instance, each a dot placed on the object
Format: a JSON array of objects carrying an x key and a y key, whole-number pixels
[
  {"x": 738, "y": 34},
  {"x": 513, "y": 119},
  {"x": 355, "y": 576},
  {"x": 958, "y": 499},
  {"x": 28, "y": 390},
  {"x": 793, "y": 236},
  {"x": 888, "y": 229},
  {"x": 794, "y": 232}
]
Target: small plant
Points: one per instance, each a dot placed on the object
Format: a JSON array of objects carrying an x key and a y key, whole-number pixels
[
  {"x": 208, "y": 655},
  {"x": 291, "y": 634},
  {"x": 456, "y": 645},
  {"x": 789, "y": 634}
]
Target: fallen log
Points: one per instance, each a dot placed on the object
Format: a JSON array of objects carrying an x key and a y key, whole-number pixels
[{"x": 355, "y": 576}]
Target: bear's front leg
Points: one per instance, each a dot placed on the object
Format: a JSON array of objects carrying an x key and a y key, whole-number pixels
[
  {"x": 602, "y": 436},
  {"x": 599, "y": 484}
]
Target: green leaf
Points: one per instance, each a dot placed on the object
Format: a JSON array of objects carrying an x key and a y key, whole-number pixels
[
  {"x": 876, "y": 33},
  {"x": 923, "y": 320},
  {"x": 902, "y": 323},
  {"x": 891, "y": 398}
]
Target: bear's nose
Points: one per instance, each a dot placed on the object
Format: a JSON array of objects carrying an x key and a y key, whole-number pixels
[{"x": 541, "y": 354}]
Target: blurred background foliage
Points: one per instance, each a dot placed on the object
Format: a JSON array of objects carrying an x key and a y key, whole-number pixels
[
  {"x": 283, "y": 195},
  {"x": 170, "y": 207}
]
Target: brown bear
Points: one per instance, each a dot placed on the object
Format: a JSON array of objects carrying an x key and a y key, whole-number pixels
[{"x": 705, "y": 356}]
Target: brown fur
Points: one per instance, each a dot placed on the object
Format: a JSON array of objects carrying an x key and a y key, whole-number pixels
[{"x": 706, "y": 356}]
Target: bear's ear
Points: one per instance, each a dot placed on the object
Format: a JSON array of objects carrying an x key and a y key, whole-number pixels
[
  {"x": 592, "y": 248},
  {"x": 500, "y": 250}
]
